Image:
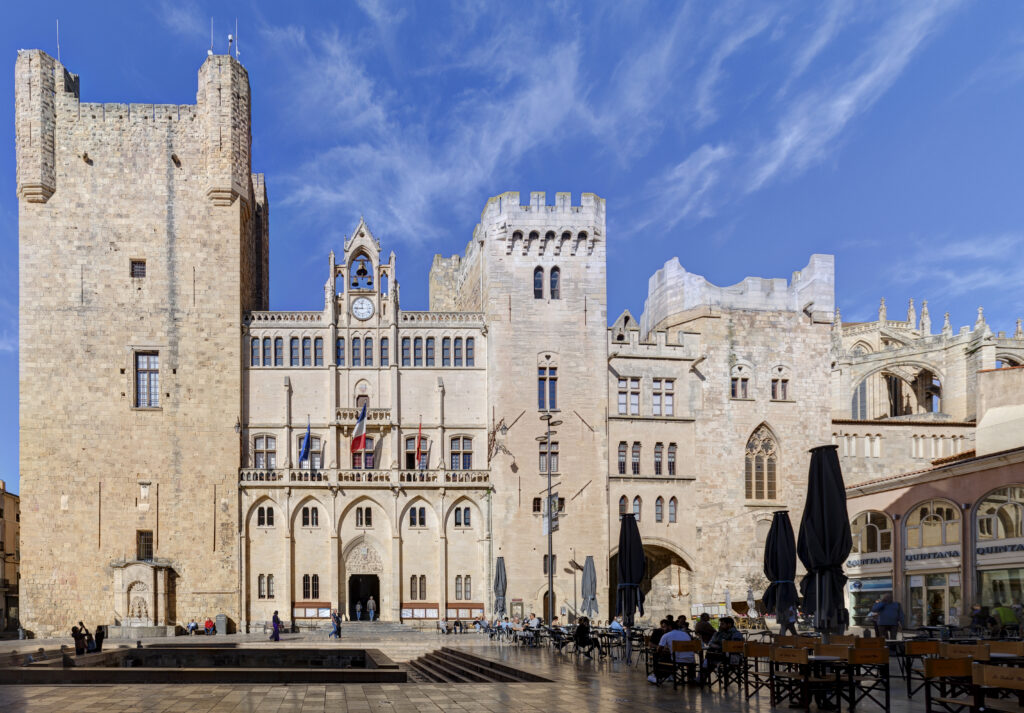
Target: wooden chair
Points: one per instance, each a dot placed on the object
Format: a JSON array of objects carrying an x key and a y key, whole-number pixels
[
  {"x": 868, "y": 676},
  {"x": 838, "y": 650},
  {"x": 1014, "y": 648},
  {"x": 948, "y": 687},
  {"x": 914, "y": 654},
  {"x": 785, "y": 641},
  {"x": 869, "y": 642},
  {"x": 998, "y": 688},
  {"x": 687, "y": 671},
  {"x": 757, "y": 672},
  {"x": 793, "y": 679},
  {"x": 843, "y": 639},
  {"x": 978, "y": 652},
  {"x": 729, "y": 668}
]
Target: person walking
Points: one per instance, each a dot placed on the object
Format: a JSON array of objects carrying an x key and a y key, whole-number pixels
[
  {"x": 371, "y": 607},
  {"x": 101, "y": 634},
  {"x": 276, "y": 636},
  {"x": 335, "y": 625},
  {"x": 789, "y": 621},
  {"x": 890, "y": 616},
  {"x": 359, "y": 611}
]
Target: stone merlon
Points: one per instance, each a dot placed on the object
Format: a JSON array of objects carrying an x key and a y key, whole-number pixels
[{"x": 672, "y": 289}]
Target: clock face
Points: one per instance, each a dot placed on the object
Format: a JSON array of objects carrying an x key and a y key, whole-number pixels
[{"x": 362, "y": 308}]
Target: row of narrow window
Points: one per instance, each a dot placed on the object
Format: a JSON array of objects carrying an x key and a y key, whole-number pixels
[
  {"x": 662, "y": 396},
  {"x": 740, "y": 389},
  {"x": 360, "y": 352},
  {"x": 310, "y": 586},
  {"x": 417, "y": 587},
  {"x": 659, "y": 508},
  {"x": 634, "y": 460},
  {"x": 461, "y": 453},
  {"x": 265, "y": 586},
  {"x": 364, "y": 517},
  {"x": 554, "y": 283},
  {"x": 463, "y": 587}
]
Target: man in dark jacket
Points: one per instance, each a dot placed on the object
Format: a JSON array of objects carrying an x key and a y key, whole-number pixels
[{"x": 890, "y": 616}]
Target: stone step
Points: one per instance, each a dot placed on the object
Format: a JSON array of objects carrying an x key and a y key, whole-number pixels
[{"x": 453, "y": 667}]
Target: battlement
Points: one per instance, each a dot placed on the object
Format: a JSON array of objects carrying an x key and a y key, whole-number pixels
[{"x": 672, "y": 290}]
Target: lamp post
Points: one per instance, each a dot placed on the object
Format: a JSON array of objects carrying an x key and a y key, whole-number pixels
[{"x": 546, "y": 439}]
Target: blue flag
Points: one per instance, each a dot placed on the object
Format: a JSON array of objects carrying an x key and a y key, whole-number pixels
[{"x": 304, "y": 451}]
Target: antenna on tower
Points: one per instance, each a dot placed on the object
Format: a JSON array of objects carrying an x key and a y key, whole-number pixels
[
  {"x": 209, "y": 52},
  {"x": 58, "y": 39},
  {"x": 231, "y": 39},
  {"x": 236, "y": 39}
]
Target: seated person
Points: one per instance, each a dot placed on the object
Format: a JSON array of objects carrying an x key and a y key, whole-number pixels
[
  {"x": 192, "y": 627},
  {"x": 584, "y": 638},
  {"x": 703, "y": 628},
  {"x": 442, "y": 626},
  {"x": 616, "y": 626},
  {"x": 457, "y": 626},
  {"x": 715, "y": 655},
  {"x": 683, "y": 623},
  {"x": 534, "y": 622},
  {"x": 664, "y": 654},
  {"x": 208, "y": 626}
]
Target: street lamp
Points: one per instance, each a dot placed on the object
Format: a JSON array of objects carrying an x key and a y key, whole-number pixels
[{"x": 547, "y": 470}]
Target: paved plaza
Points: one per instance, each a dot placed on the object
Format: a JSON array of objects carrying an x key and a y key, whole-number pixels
[{"x": 584, "y": 686}]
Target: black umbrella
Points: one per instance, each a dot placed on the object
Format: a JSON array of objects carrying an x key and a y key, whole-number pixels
[
  {"x": 780, "y": 566},
  {"x": 825, "y": 541},
  {"x": 500, "y": 582},
  {"x": 632, "y": 563}
]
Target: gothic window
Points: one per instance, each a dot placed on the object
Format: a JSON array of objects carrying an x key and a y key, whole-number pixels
[
  {"x": 414, "y": 582},
  {"x": 446, "y": 351},
  {"x": 623, "y": 448},
  {"x": 307, "y": 354},
  {"x": 739, "y": 385},
  {"x": 458, "y": 517},
  {"x": 423, "y": 586},
  {"x": 430, "y": 351},
  {"x": 357, "y": 351},
  {"x": 458, "y": 586},
  {"x": 659, "y": 509},
  {"x": 556, "y": 276},
  {"x": 147, "y": 380},
  {"x": 305, "y": 586},
  {"x": 410, "y": 453},
  {"x": 406, "y": 345},
  {"x": 547, "y": 388},
  {"x": 364, "y": 459},
  {"x": 364, "y": 517},
  {"x": 315, "y": 593},
  {"x": 658, "y": 447},
  {"x": 671, "y": 458},
  {"x": 872, "y": 532},
  {"x": 470, "y": 351},
  {"x": 1001, "y": 514},
  {"x": 368, "y": 351},
  {"x": 538, "y": 283},
  {"x": 552, "y": 455},
  {"x": 462, "y": 453},
  {"x": 636, "y": 508},
  {"x": 254, "y": 356},
  {"x": 760, "y": 466},
  {"x": 780, "y": 389},
  {"x": 933, "y": 523},
  {"x": 635, "y": 461},
  {"x": 261, "y": 516},
  {"x": 466, "y": 588},
  {"x": 267, "y": 361},
  {"x": 278, "y": 351},
  {"x": 270, "y": 586},
  {"x": 318, "y": 351},
  {"x": 384, "y": 358},
  {"x": 262, "y": 587},
  {"x": 339, "y": 352},
  {"x": 623, "y": 504},
  {"x": 315, "y": 459},
  {"x": 465, "y": 516},
  {"x": 264, "y": 453},
  {"x": 314, "y": 517},
  {"x": 417, "y": 351},
  {"x": 305, "y": 517},
  {"x": 418, "y": 517},
  {"x": 672, "y": 504},
  {"x": 458, "y": 351},
  {"x": 294, "y": 347},
  {"x": 359, "y": 517},
  {"x": 270, "y": 519}
]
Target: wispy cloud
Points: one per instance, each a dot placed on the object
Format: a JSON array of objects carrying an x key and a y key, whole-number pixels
[
  {"x": 682, "y": 191},
  {"x": 183, "y": 18},
  {"x": 833, "y": 17},
  {"x": 707, "y": 84}
]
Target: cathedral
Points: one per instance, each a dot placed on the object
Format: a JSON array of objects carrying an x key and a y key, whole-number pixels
[{"x": 187, "y": 451}]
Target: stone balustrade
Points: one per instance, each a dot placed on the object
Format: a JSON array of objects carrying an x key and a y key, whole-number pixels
[{"x": 332, "y": 476}]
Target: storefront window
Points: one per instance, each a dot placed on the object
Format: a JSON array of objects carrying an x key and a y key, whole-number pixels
[
  {"x": 864, "y": 593},
  {"x": 1005, "y": 586},
  {"x": 1001, "y": 513},
  {"x": 933, "y": 523},
  {"x": 872, "y": 532},
  {"x": 934, "y": 599}
]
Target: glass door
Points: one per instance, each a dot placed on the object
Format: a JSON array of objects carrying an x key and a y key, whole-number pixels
[{"x": 934, "y": 600}]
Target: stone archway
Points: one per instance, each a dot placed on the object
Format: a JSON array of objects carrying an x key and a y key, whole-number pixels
[
  {"x": 667, "y": 583},
  {"x": 363, "y": 575}
]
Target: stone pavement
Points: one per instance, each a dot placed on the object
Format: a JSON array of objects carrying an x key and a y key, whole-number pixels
[{"x": 586, "y": 686}]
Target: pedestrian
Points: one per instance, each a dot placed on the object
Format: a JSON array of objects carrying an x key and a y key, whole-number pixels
[
  {"x": 788, "y": 621},
  {"x": 276, "y": 636},
  {"x": 335, "y": 625},
  {"x": 101, "y": 634},
  {"x": 890, "y": 616},
  {"x": 359, "y": 611},
  {"x": 371, "y": 607},
  {"x": 79, "y": 638}
]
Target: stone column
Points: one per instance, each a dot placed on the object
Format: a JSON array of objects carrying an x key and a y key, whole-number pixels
[
  {"x": 287, "y": 422},
  {"x": 442, "y": 558},
  {"x": 396, "y": 562},
  {"x": 335, "y": 586},
  {"x": 243, "y": 568}
]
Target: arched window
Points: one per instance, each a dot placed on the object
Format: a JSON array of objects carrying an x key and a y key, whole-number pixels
[
  {"x": 384, "y": 357},
  {"x": 423, "y": 586},
  {"x": 465, "y": 516},
  {"x": 458, "y": 586},
  {"x": 538, "y": 283},
  {"x": 307, "y": 351},
  {"x": 657, "y": 458},
  {"x": 623, "y": 448},
  {"x": 364, "y": 459},
  {"x": 623, "y": 504},
  {"x": 414, "y": 582},
  {"x": 933, "y": 523},
  {"x": 423, "y": 516},
  {"x": 368, "y": 516},
  {"x": 368, "y": 351},
  {"x": 278, "y": 351},
  {"x": 294, "y": 347},
  {"x": 270, "y": 517},
  {"x": 305, "y": 517},
  {"x": 430, "y": 351},
  {"x": 462, "y": 453},
  {"x": 417, "y": 351},
  {"x": 339, "y": 351},
  {"x": 264, "y": 454},
  {"x": 672, "y": 504},
  {"x": 556, "y": 276},
  {"x": 458, "y": 351},
  {"x": 859, "y": 401},
  {"x": 305, "y": 586},
  {"x": 470, "y": 349},
  {"x": 872, "y": 532},
  {"x": 262, "y": 587},
  {"x": 359, "y": 517},
  {"x": 267, "y": 359},
  {"x": 458, "y": 517},
  {"x": 261, "y": 516},
  {"x": 760, "y": 466},
  {"x": 314, "y": 517},
  {"x": 357, "y": 351},
  {"x": 659, "y": 509},
  {"x": 1001, "y": 513},
  {"x": 418, "y": 517},
  {"x": 254, "y": 356},
  {"x": 315, "y": 593},
  {"x": 406, "y": 351},
  {"x": 636, "y": 508},
  {"x": 635, "y": 461},
  {"x": 466, "y": 593},
  {"x": 318, "y": 351},
  {"x": 446, "y": 351},
  {"x": 671, "y": 458},
  {"x": 270, "y": 586}
]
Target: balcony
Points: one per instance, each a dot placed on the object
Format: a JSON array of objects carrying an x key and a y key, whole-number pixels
[
  {"x": 255, "y": 477},
  {"x": 348, "y": 416}
]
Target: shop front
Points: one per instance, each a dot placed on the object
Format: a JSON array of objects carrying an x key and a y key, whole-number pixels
[
  {"x": 870, "y": 566},
  {"x": 999, "y": 548}
]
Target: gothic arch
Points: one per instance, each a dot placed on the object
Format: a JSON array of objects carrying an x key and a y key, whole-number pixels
[
  {"x": 261, "y": 500},
  {"x": 665, "y": 544},
  {"x": 306, "y": 501},
  {"x": 362, "y": 501},
  {"x": 462, "y": 501},
  {"x": 417, "y": 501},
  {"x": 357, "y": 562}
]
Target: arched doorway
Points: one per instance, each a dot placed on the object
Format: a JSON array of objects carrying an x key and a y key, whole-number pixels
[
  {"x": 362, "y": 574},
  {"x": 360, "y": 588},
  {"x": 666, "y": 584}
]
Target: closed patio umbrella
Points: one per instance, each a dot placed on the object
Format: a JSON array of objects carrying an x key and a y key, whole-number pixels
[
  {"x": 588, "y": 587},
  {"x": 500, "y": 583},
  {"x": 780, "y": 566},
  {"x": 632, "y": 563},
  {"x": 825, "y": 541}
]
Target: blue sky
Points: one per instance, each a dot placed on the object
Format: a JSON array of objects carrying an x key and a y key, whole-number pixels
[{"x": 740, "y": 137}]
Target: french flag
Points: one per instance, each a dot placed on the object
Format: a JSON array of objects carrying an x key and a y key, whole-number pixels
[{"x": 359, "y": 435}]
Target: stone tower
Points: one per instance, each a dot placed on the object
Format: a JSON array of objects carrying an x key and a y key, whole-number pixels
[{"x": 142, "y": 240}]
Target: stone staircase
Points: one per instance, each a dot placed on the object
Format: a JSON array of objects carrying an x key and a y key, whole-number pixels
[{"x": 448, "y": 665}]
